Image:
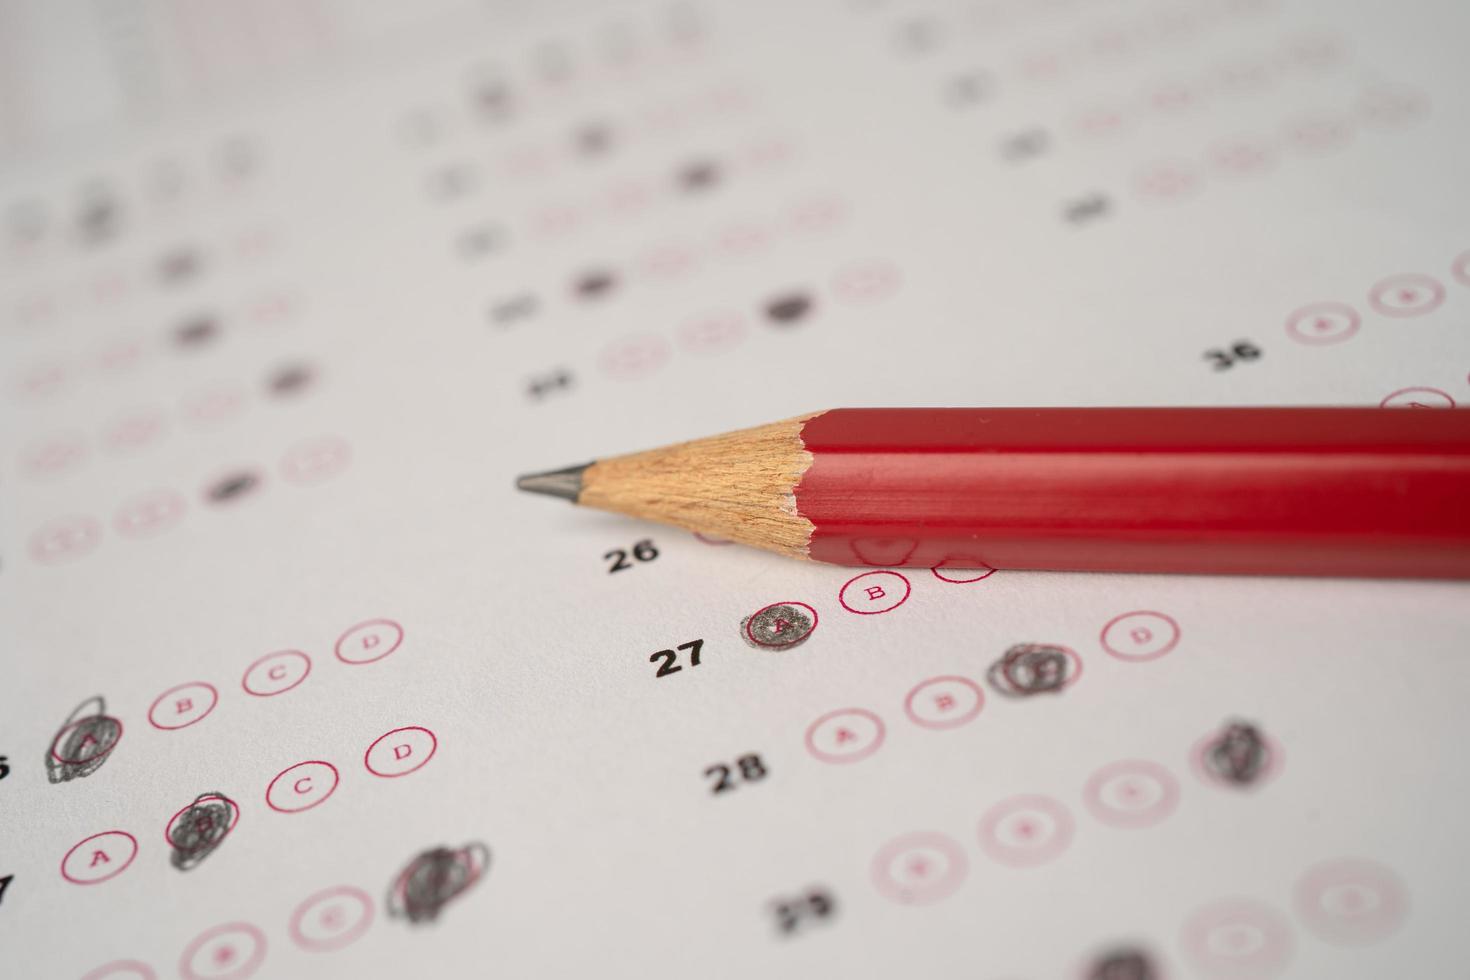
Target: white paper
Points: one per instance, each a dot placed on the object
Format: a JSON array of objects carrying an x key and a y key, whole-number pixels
[{"x": 376, "y": 220}]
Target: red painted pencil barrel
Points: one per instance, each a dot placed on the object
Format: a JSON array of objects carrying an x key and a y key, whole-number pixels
[{"x": 1288, "y": 491}]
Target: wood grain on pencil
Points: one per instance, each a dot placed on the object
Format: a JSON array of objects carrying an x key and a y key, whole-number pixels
[
  {"x": 736, "y": 486},
  {"x": 1299, "y": 491}
]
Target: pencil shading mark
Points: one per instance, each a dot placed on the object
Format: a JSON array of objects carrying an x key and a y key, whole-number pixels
[
  {"x": 698, "y": 176},
  {"x": 83, "y": 743},
  {"x": 969, "y": 89},
  {"x": 551, "y": 382},
  {"x": 290, "y": 380},
  {"x": 179, "y": 266},
  {"x": 788, "y": 308},
  {"x": 196, "y": 332},
  {"x": 452, "y": 181},
  {"x": 1085, "y": 208},
  {"x": 1123, "y": 964},
  {"x": 505, "y": 312},
  {"x": 197, "y": 830},
  {"x": 1239, "y": 755},
  {"x": 1028, "y": 669},
  {"x": 594, "y": 285},
  {"x": 1025, "y": 145},
  {"x": 232, "y": 487},
  {"x": 492, "y": 100},
  {"x": 99, "y": 219},
  {"x": 779, "y": 626},
  {"x": 593, "y": 139},
  {"x": 479, "y": 240},
  {"x": 435, "y": 878}
]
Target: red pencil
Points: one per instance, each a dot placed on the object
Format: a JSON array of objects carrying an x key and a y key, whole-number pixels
[{"x": 1280, "y": 491}]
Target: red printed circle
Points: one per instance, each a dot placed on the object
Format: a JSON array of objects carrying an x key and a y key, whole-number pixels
[
  {"x": 1026, "y": 831},
  {"x": 769, "y": 151},
  {"x": 331, "y": 919},
  {"x": 1392, "y": 107},
  {"x": 867, "y": 281},
  {"x": 741, "y": 239},
  {"x": 962, "y": 571},
  {"x": 369, "y": 642},
  {"x": 1321, "y": 134},
  {"x": 526, "y": 161},
  {"x": 1140, "y": 635},
  {"x": 1242, "y": 157},
  {"x": 1351, "y": 902},
  {"x": 1461, "y": 268},
  {"x": 1408, "y": 294},
  {"x": 1237, "y": 937},
  {"x": 1040, "y": 66},
  {"x": 1245, "y": 74},
  {"x": 54, "y": 454},
  {"x": 187, "y": 710},
  {"x": 1167, "y": 182},
  {"x": 628, "y": 196},
  {"x": 818, "y": 214},
  {"x": 879, "y": 593},
  {"x": 1275, "y": 759},
  {"x": 210, "y": 407},
  {"x": 149, "y": 514},
  {"x": 1173, "y": 96},
  {"x": 315, "y": 460},
  {"x": 312, "y": 782},
  {"x": 168, "y": 837},
  {"x": 1133, "y": 793},
  {"x": 1323, "y": 323},
  {"x": 133, "y": 430},
  {"x": 65, "y": 539},
  {"x": 231, "y": 951},
  {"x": 103, "y": 857},
  {"x": 669, "y": 260},
  {"x": 101, "y": 750},
  {"x": 409, "y": 751},
  {"x": 1315, "y": 51},
  {"x": 919, "y": 868},
  {"x": 845, "y": 735},
  {"x": 272, "y": 308},
  {"x": 41, "y": 381},
  {"x": 1098, "y": 121},
  {"x": 634, "y": 357},
  {"x": 1418, "y": 398},
  {"x": 555, "y": 220},
  {"x": 122, "y": 970},
  {"x": 791, "y": 641},
  {"x": 712, "y": 333},
  {"x": 119, "y": 356},
  {"x": 944, "y": 702},
  {"x": 276, "y": 673}
]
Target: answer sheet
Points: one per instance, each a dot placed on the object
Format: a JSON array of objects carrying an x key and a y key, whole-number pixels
[{"x": 296, "y": 685}]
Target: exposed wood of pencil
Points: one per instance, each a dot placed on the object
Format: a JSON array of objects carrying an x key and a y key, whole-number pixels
[{"x": 736, "y": 486}]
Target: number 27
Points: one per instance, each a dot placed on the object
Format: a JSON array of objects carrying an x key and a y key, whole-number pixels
[{"x": 670, "y": 658}]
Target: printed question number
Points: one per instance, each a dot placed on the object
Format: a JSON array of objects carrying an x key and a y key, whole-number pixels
[
  {"x": 747, "y": 768},
  {"x": 1225, "y": 359},
  {"x": 813, "y": 908},
  {"x": 670, "y": 658},
  {"x": 641, "y": 551}
]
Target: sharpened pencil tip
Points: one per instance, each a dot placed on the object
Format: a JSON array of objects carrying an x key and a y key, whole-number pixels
[{"x": 566, "y": 483}]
